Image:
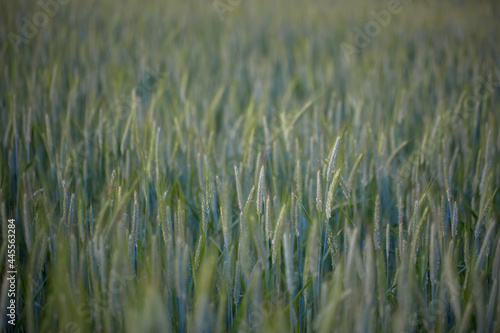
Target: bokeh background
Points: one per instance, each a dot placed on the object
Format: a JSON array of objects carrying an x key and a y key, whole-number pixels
[{"x": 251, "y": 165}]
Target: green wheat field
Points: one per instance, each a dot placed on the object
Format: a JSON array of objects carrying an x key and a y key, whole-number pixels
[{"x": 250, "y": 166}]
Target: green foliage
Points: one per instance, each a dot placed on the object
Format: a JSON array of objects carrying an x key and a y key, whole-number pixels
[{"x": 172, "y": 171}]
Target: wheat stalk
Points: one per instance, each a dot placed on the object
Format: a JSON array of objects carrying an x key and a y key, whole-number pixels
[
  {"x": 277, "y": 233},
  {"x": 331, "y": 193},
  {"x": 319, "y": 193},
  {"x": 269, "y": 230},
  {"x": 239, "y": 192},
  {"x": 26, "y": 223},
  {"x": 454, "y": 223},
  {"x": 376, "y": 230},
  {"x": 331, "y": 163},
  {"x": 260, "y": 192}
]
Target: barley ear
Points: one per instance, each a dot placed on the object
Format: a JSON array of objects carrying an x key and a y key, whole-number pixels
[
  {"x": 333, "y": 157},
  {"x": 319, "y": 193},
  {"x": 376, "y": 231}
]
